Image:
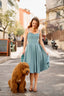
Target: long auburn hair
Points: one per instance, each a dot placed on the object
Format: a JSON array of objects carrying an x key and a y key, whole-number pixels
[{"x": 36, "y": 19}]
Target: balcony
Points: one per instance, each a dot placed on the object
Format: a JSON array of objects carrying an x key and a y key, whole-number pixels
[{"x": 11, "y": 3}]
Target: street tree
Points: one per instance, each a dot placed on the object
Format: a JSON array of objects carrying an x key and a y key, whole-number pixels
[{"x": 7, "y": 20}]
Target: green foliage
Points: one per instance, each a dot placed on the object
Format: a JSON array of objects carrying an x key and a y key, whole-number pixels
[
  {"x": 17, "y": 30},
  {"x": 8, "y": 20},
  {"x": 20, "y": 31},
  {"x": 9, "y": 23}
]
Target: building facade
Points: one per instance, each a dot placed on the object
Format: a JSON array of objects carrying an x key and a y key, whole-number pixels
[
  {"x": 42, "y": 27},
  {"x": 55, "y": 13},
  {"x": 55, "y": 20},
  {"x": 25, "y": 17}
]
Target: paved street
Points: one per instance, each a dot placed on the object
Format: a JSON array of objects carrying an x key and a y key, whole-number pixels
[{"x": 50, "y": 82}]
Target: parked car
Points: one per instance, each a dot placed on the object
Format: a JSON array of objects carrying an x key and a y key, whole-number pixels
[{"x": 45, "y": 41}]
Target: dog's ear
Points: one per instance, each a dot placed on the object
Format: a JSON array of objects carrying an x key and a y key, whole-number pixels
[
  {"x": 25, "y": 65},
  {"x": 22, "y": 64}
]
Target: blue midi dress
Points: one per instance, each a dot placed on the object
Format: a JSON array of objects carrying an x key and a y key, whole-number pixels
[{"x": 34, "y": 55}]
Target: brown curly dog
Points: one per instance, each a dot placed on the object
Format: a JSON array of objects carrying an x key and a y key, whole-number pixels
[{"x": 17, "y": 82}]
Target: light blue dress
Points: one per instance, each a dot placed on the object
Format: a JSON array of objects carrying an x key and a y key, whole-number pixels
[{"x": 34, "y": 55}]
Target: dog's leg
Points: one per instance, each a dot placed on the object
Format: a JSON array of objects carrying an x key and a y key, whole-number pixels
[
  {"x": 21, "y": 87},
  {"x": 14, "y": 87},
  {"x": 9, "y": 83},
  {"x": 25, "y": 86}
]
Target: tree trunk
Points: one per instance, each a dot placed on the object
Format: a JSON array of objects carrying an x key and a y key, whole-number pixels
[{"x": 4, "y": 34}]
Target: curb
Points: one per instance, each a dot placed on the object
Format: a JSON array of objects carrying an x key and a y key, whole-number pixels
[{"x": 3, "y": 59}]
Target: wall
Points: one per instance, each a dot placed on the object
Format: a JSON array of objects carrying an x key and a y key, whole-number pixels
[{"x": 53, "y": 3}]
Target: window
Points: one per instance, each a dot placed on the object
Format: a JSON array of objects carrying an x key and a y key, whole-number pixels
[
  {"x": 0, "y": 4},
  {"x": 58, "y": 14},
  {"x": 60, "y": 27}
]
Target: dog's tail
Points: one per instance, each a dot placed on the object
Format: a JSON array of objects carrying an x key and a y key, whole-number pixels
[{"x": 9, "y": 83}]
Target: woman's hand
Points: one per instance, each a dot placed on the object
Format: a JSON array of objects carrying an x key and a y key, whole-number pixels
[
  {"x": 47, "y": 53},
  {"x": 23, "y": 51}
]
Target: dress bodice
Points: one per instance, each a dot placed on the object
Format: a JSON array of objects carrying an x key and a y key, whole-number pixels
[{"x": 33, "y": 38}]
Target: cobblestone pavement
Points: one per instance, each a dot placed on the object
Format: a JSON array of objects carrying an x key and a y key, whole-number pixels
[{"x": 50, "y": 82}]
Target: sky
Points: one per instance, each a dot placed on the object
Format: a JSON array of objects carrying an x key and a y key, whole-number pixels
[{"x": 37, "y": 7}]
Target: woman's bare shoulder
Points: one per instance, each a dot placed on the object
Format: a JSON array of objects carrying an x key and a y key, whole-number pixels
[
  {"x": 40, "y": 32},
  {"x": 26, "y": 30}
]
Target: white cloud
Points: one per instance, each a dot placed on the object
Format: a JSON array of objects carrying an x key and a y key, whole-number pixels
[{"x": 37, "y": 7}]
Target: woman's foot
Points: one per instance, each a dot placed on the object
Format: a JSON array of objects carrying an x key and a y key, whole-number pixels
[
  {"x": 35, "y": 89},
  {"x": 30, "y": 89}
]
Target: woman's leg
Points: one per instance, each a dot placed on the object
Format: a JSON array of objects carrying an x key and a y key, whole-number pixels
[
  {"x": 31, "y": 80},
  {"x": 36, "y": 78}
]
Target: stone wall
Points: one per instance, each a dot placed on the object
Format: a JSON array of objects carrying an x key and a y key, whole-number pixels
[{"x": 58, "y": 37}]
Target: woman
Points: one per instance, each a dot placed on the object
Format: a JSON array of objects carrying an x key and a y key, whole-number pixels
[{"x": 33, "y": 51}]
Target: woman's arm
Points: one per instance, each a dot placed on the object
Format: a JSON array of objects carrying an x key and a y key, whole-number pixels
[
  {"x": 25, "y": 39},
  {"x": 41, "y": 42}
]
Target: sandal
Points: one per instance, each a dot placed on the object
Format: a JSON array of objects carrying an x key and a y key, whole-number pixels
[
  {"x": 35, "y": 90},
  {"x": 30, "y": 89}
]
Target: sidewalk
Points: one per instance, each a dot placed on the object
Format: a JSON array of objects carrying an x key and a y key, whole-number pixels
[
  {"x": 4, "y": 58},
  {"x": 13, "y": 55},
  {"x": 17, "y": 54}
]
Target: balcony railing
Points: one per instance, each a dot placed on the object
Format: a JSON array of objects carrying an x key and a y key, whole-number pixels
[{"x": 10, "y": 2}]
